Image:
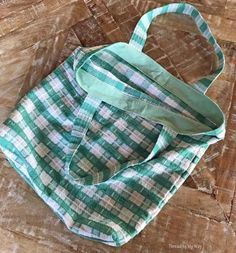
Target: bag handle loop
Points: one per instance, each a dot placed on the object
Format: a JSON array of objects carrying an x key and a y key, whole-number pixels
[
  {"x": 109, "y": 95},
  {"x": 139, "y": 36}
]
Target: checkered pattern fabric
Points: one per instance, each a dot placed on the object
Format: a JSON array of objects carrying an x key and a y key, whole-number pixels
[{"x": 109, "y": 136}]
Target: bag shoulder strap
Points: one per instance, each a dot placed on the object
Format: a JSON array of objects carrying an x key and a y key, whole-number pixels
[{"x": 139, "y": 36}]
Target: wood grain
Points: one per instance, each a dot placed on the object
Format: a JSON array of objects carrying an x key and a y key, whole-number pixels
[{"x": 37, "y": 35}]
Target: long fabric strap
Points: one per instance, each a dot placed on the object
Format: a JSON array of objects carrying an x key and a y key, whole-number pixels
[{"x": 139, "y": 36}]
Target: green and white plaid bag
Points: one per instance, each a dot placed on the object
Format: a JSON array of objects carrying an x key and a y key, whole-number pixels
[{"x": 109, "y": 136}]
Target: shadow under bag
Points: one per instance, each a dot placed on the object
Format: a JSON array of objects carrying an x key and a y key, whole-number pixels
[{"x": 110, "y": 135}]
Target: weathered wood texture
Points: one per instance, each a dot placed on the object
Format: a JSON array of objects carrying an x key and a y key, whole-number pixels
[{"x": 37, "y": 35}]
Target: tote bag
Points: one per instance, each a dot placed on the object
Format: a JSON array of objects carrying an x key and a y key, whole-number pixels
[{"x": 110, "y": 135}]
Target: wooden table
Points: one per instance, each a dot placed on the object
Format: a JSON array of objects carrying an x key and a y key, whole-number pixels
[{"x": 37, "y": 35}]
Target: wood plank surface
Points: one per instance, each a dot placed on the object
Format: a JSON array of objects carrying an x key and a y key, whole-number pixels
[{"x": 37, "y": 35}]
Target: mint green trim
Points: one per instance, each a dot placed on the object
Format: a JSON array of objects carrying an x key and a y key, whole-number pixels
[
  {"x": 179, "y": 123},
  {"x": 123, "y": 101}
]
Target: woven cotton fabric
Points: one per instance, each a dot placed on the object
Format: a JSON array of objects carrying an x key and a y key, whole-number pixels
[{"x": 104, "y": 163}]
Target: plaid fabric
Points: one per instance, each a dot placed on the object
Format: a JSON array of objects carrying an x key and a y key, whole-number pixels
[{"x": 107, "y": 162}]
